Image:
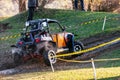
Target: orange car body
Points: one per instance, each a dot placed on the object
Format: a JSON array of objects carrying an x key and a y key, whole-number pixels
[{"x": 60, "y": 39}]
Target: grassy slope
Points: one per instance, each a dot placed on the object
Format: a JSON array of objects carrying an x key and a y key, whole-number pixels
[{"x": 72, "y": 20}]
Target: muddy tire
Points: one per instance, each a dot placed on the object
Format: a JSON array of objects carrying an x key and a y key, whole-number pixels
[
  {"x": 78, "y": 46},
  {"x": 17, "y": 59},
  {"x": 52, "y": 58}
]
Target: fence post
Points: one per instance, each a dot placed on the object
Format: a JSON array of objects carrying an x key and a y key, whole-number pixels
[
  {"x": 51, "y": 64},
  {"x": 93, "y": 65},
  {"x": 104, "y": 24}
]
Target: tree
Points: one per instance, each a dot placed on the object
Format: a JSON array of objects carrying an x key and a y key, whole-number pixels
[
  {"x": 22, "y": 5},
  {"x": 42, "y": 3}
]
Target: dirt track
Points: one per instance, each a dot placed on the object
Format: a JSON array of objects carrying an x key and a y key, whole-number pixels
[{"x": 89, "y": 42}]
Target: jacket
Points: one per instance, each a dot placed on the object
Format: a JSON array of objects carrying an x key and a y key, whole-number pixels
[{"x": 32, "y": 3}]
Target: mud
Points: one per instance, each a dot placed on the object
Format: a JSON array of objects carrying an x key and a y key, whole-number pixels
[{"x": 40, "y": 66}]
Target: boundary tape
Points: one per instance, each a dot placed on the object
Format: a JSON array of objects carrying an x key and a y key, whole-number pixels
[
  {"x": 89, "y": 49},
  {"x": 9, "y": 37},
  {"x": 87, "y": 61},
  {"x": 91, "y": 21},
  {"x": 96, "y": 20}
]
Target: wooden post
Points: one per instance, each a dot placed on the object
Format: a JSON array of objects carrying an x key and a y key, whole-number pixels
[
  {"x": 104, "y": 24},
  {"x": 51, "y": 64},
  {"x": 93, "y": 65}
]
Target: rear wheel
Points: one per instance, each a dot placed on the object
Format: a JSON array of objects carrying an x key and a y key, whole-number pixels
[{"x": 78, "y": 46}]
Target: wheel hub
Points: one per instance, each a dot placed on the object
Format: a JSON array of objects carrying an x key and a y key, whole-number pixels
[
  {"x": 77, "y": 47},
  {"x": 52, "y": 57}
]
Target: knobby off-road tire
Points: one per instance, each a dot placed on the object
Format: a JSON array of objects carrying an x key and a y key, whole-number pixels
[
  {"x": 78, "y": 46},
  {"x": 50, "y": 49},
  {"x": 49, "y": 55}
]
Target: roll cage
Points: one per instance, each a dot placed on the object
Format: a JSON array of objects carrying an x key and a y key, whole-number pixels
[{"x": 38, "y": 25}]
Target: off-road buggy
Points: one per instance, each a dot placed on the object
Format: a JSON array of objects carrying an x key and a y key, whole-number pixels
[{"x": 43, "y": 37}]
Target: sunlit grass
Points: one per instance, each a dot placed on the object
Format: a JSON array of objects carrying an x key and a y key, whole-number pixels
[{"x": 110, "y": 73}]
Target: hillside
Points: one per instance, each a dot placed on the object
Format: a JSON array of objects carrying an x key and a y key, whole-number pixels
[
  {"x": 11, "y": 6},
  {"x": 72, "y": 19},
  {"x": 86, "y": 25}
]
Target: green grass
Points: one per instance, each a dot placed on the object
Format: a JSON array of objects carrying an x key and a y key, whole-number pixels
[
  {"x": 109, "y": 70},
  {"x": 72, "y": 20},
  {"x": 69, "y": 18}
]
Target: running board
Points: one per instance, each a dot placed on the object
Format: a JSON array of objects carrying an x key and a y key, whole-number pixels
[{"x": 62, "y": 50}]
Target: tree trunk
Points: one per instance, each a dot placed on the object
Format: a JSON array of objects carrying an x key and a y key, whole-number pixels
[
  {"x": 22, "y": 5},
  {"x": 42, "y": 3}
]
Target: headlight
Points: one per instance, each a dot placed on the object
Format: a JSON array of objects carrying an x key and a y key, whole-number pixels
[{"x": 27, "y": 23}]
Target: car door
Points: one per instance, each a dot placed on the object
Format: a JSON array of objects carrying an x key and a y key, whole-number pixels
[{"x": 58, "y": 36}]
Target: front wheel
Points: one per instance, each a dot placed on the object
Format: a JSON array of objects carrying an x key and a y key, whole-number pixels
[
  {"x": 49, "y": 55},
  {"x": 17, "y": 59}
]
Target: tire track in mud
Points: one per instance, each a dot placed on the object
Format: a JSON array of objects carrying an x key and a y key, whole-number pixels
[
  {"x": 100, "y": 39},
  {"x": 60, "y": 65}
]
